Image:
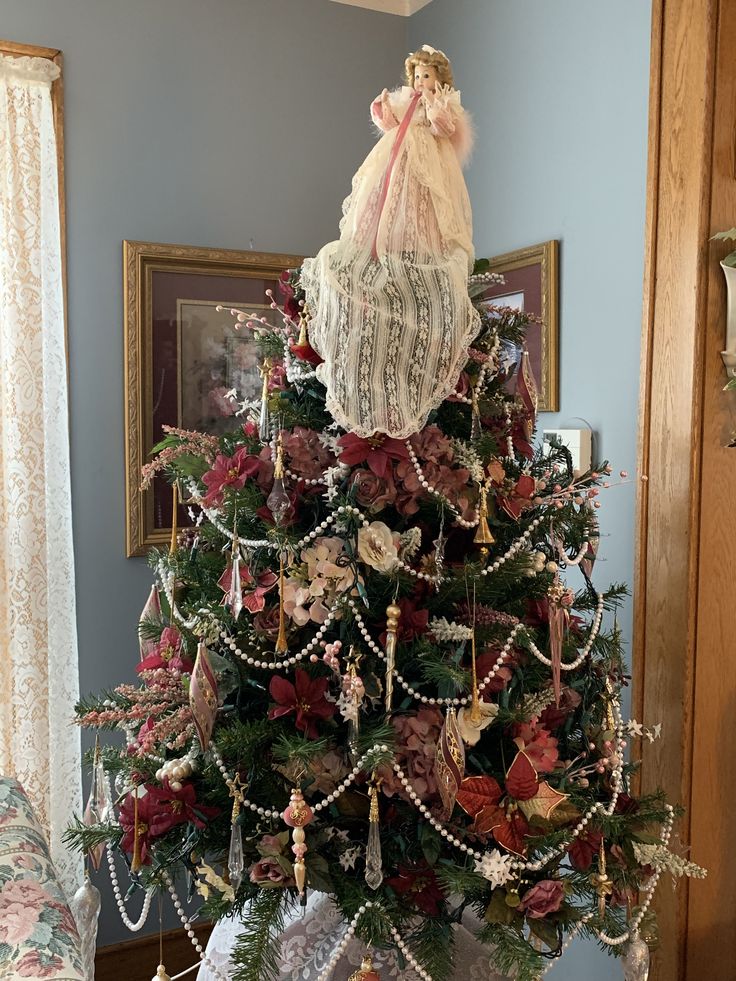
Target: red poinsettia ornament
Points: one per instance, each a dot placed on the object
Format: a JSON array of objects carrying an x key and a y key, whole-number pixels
[{"x": 305, "y": 699}]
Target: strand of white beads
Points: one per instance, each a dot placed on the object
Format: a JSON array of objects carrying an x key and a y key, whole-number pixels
[
  {"x": 341, "y": 512},
  {"x": 574, "y": 931},
  {"x": 510, "y": 452},
  {"x": 364, "y": 764},
  {"x": 187, "y": 924},
  {"x": 650, "y": 890},
  {"x": 428, "y": 699},
  {"x": 134, "y": 927},
  {"x": 513, "y": 549},
  {"x": 438, "y": 494},
  {"x": 427, "y": 814},
  {"x": 287, "y": 662},
  {"x": 168, "y": 580},
  {"x": 265, "y": 812},
  {"x": 594, "y": 630},
  {"x": 212, "y": 516},
  {"x": 289, "y": 364},
  {"x": 565, "y": 558},
  {"x": 410, "y": 958},
  {"x": 481, "y": 374},
  {"x": 343, "y": 945}
]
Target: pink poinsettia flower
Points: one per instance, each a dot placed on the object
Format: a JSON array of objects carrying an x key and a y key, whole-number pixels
[
  {"x": 166, "y": 654},
  {"x": 377, "y": 451},
  {"x": 228, "y": 472},
  {"x": 305, "y": 698},
  {"x": 254, "y": 589}
]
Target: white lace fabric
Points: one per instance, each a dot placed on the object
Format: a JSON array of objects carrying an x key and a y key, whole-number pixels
[
  {"x": 391, "y": 316},
  {"x": 310, "y": 938},
  {"x": 39, "y": 683}
]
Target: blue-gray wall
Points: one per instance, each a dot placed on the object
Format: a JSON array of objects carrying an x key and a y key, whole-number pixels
[
  {"x": 217, "y": 124},
  {"x": 559, "y": 93}
]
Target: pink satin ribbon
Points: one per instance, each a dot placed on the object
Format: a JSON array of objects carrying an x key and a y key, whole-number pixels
[{"x": 403, "y": 127}]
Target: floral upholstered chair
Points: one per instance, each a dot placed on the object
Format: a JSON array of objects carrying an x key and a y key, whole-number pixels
[{"x": 38, "y": 936}]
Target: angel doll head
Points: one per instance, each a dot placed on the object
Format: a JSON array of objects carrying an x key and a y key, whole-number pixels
[{"x": 427, "y": 68}]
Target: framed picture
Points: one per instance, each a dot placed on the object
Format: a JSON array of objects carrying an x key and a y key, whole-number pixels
[
  {"x": 531, "y": 284},
  {"x": 183, "y": 356}
]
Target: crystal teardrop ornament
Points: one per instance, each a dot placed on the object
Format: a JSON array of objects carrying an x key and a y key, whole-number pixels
[
  {"x": 85, "y": 907},
  {"x": 373, "y": 858},
  {"x": 278, "y": 501},
  {"x": 635, "y": 960},
  {"x": 235, "y": 858}
]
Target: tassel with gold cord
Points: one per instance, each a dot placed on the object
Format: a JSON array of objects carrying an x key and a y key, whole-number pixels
[
  {"x": 136, "y": 863},
  {"x": 393, "y": 615},
  {"x": 160, "y": 974},
  {"x": 173, "y": 545},
  {"x": 366, "y": 972},
  {"x": 282, "y": 645},
  {"x": 373, "y": 857}
]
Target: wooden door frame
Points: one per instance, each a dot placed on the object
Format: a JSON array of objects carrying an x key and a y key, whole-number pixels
[{"x": 691, "y": 191}]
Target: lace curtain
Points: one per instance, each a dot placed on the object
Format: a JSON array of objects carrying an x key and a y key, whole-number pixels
[{"x": 38, "y": 665}]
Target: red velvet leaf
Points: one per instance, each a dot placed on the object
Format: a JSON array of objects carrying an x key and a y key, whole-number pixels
[
  {"x": 511, "y": 833},
  {"x": 478, "y": 792},
  {"x": 488, "y": 818},
  {"x": 522, "y": 782}
]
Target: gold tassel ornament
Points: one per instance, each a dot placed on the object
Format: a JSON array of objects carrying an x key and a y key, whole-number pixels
[
  {"x": 173, "y": 545},
  {"x": 602, "y": 881},
  {"x": 393, "y": 615},
  {"x": 282, "y": 645},
  {"x": 264, "y": 422},
  {"x": 136, "y": 863}
]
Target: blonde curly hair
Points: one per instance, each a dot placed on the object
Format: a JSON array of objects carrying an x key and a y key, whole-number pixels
[{"x": 429, "y": 56}]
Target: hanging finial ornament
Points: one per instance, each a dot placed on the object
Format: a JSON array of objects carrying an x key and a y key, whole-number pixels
[
  {"x": 278, "y": 501},
  {"x": 393, "y": 615},
  {"x": 602, "y": 881},
  {"x": 235, "y": 858},
  {"x": 367, "y": 972},
  {"x": 297, "y": 815},
  {"x": 635, "y": 960},
  {"x": 174, "y": 518},
  {"x": 282, "y": 645},
  {"x": 483, "y": 536},
  {"x": 264, "y": 422},
  {"x": 161, "y": 974},
  {"x": 373, "y": 857}
]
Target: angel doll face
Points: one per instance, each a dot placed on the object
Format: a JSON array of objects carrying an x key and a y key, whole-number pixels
[{"x": 425, "y": 78}]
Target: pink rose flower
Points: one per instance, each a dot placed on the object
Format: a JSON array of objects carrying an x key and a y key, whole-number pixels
[
  {"x": 372, "y": 492},
  {"x": 543, "y": 898}
]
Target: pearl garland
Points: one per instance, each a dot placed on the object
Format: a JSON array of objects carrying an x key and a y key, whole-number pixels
[
  {"x": 140, "y": 922},
  {"x": 187, "y": 924},
  {"x": 260, "y": 811},
  {"x": 430, "y": 489},
  {"x": 510, "y": 452},
  {"x": 288, "y": 661},
  {"x": 571, "y": 665},
  {"x": 427, "y": 699}
]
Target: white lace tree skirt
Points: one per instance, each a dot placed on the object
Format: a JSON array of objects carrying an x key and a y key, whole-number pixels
[{"x": 309, "y": 941}]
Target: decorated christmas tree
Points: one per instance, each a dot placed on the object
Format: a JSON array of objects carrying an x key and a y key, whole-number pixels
[{"x": 377, "y": 669}]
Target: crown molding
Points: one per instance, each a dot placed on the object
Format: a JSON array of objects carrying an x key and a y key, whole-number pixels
[{"x": 404, "y": 8}]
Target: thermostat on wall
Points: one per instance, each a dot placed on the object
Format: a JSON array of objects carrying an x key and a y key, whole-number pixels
[{"x": 578, "y": 441}]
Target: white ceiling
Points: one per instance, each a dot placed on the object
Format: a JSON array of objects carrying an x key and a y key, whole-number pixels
[{"x": 405, "y": 8}]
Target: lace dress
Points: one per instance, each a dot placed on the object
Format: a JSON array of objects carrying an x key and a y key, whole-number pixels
[
  {"x": 309, "y": 940},
  {"x": 391, "y": 316}
]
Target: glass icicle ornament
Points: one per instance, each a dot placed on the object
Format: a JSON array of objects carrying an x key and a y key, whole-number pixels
[
  {"x": 235, "y": 594},
  {"x": 393, "y": 615},
  {"x": 635, "y": 960},
  {"x": 353, "y": 690},
  {"x": 278, "y": 501},
  {"x": 373, "y": 857},
  {"x": 264, "y": 422},
  {"x": 236, "y": 857},
  {"x": 85, "y": 907},
  {"x": 99, "y": 808}
]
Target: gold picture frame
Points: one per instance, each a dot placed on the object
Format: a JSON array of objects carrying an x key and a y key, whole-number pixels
[
  {"x": 532, "y": 274},
  {"x": 161, "y": 281}
]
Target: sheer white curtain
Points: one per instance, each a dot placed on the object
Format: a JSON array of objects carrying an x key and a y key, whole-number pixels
[{"x": 38, "y": 661}]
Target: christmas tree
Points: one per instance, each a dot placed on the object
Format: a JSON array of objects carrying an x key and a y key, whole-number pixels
[{"x": 380, "y": 669}]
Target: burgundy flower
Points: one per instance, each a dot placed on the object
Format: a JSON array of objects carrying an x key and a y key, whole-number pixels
[
  {"x": 584, "y": 849},
  {"x": 305, "y": 698},
  {"x": 291, "y": 306},
  {"x": 166, "y": 654},
  {"x": 377, "y": 451},
  {"x": 538, "y": 744},
  {"x": 419, "y": 887},
  {"x": 372, "y": 492},
  {"x": 543, "y": 898},
  {"x": 159, "y": 810},
  {"x": 228, "y": 471},
  {"x": 554, "y": 715},
  {"x": 266, "y": 623},
  {"x": 254, "y": 589}
]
